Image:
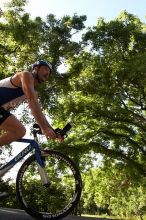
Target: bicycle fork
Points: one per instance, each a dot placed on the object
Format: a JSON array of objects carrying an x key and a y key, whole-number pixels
[
  {"x": 41, "y": 168},
  {"x": 44, "y": 176}
]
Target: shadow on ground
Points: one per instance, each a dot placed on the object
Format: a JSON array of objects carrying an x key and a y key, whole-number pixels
[{"x": 17, "y": 214}]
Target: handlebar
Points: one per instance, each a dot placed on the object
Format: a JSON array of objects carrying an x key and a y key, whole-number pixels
[{"x": 58, "y": 131}]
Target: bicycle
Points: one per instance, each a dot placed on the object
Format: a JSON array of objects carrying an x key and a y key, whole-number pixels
[{"x": 48, "y": 183}]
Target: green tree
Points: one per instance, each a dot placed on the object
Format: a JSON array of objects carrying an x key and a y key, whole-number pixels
[
  {"x": 103, "y": 90},
  {"x": 112, "y": 188},
  {"x": 106, "y": 94}
]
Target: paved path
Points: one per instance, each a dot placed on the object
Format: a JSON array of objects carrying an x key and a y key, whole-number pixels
[{"x": 17, "y": 214}]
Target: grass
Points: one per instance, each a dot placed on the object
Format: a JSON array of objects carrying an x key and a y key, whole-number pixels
[
  {"x": 113, "y": 217},
  {"x": 104, "y": 216}
]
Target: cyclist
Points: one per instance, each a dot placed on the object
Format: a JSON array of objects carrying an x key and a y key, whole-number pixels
[{"x": 16, "y": 89}]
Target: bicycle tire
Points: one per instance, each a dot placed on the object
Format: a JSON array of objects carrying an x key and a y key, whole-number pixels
[{"x": 58, "y": 157}]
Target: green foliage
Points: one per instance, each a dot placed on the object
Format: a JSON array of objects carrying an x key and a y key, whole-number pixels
[
  {"x": 106, "y": 98},
  {"x": 103, "y": 92},
  {"x": 107, "y": 90},
  {"x": 10, "y": 202},
  {"x": 112, "y": 186}
]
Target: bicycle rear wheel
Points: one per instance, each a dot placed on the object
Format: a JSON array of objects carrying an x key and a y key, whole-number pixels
[{"x": 53, "y": 202}]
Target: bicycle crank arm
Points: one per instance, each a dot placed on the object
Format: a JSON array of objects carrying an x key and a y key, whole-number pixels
[{"x": 44, "y": 177}]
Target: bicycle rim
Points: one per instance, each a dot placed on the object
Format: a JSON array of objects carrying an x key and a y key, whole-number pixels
[{"x": 56, "y": 201}]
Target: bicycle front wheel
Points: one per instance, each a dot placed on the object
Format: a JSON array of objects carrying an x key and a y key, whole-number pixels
[{"x": 57, "y": 200}]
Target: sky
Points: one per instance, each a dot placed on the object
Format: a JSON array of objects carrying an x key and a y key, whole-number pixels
[
  {"x": 94, "y": 9},
  {"x": 109, "y": 9}
]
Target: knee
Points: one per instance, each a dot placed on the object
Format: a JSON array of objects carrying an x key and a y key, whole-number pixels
[{"x": 21, "y": 132}]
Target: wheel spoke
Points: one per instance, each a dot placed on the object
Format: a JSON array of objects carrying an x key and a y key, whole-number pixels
[{"x": 57, "y": 199}]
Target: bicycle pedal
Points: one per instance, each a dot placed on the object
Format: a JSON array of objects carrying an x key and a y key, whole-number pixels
[{"x": 4, "y": 195}]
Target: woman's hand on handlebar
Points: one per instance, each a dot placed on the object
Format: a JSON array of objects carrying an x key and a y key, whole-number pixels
[
  {"x": 60, "y": 138},
  {"x": 49, "y": 133}
]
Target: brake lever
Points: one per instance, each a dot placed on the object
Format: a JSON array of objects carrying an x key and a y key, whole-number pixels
[
  {"x": 63, "y": 132},
  {"x": 58, "y": 131}
]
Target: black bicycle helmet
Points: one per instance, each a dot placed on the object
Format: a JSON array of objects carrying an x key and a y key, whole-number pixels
[{"x": 42, "y": 63}]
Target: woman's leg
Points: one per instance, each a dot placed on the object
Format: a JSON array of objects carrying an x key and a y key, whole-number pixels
[{"x": 13, "y": 130}]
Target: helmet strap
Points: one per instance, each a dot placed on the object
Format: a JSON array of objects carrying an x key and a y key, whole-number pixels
[{"x": 35, "y": 75}]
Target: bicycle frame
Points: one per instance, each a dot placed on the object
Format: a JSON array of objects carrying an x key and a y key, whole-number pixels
[{"x": 32, "y": 145}]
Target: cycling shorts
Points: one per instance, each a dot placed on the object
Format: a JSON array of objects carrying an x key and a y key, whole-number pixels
[{"x": 4, "y": 114}]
